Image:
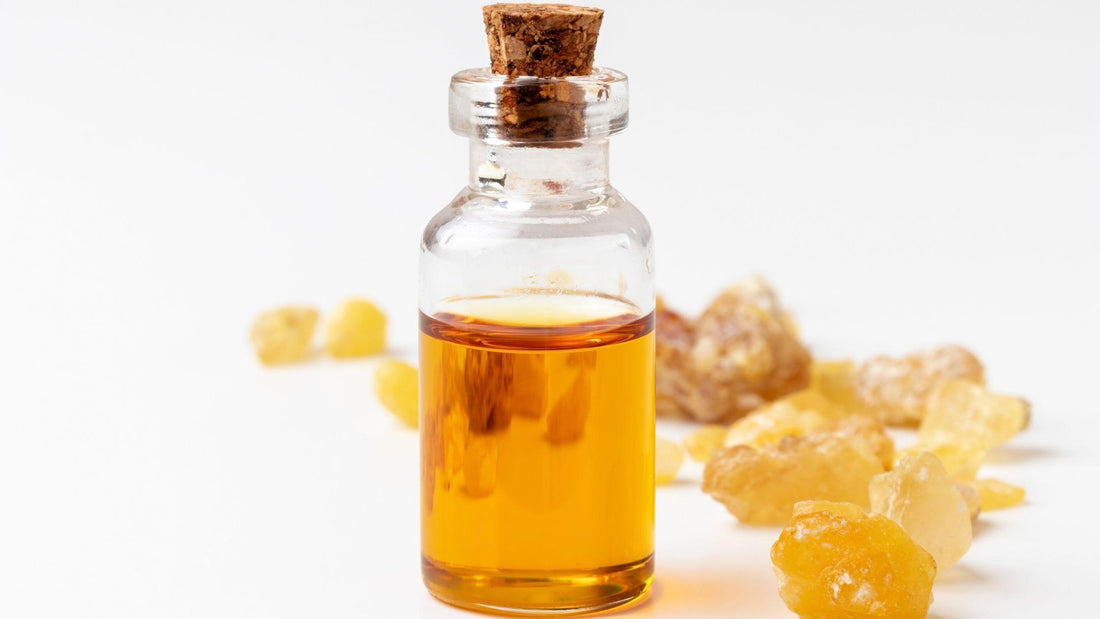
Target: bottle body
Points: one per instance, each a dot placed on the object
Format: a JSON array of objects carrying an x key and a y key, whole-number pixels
[{"x": 537, "y": 359}]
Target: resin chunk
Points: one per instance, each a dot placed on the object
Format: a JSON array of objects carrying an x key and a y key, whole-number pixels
[
  {"x": 996, "y": 494},
  {"x": 395, "y": 385},
  {"x": 895, "y": 390},
  {"x": 283, "y": 335},
  {"x": 868, "y": 431},
  {"x": 834, "y": 561},
  {"x": 703, "y": 442},
  {"x": 920, "y": 496},
  {"x": 669, "y": 458},
  {"x": 799, "y": 413},
  {"x": 356, "y": 329},
  {"x": 761, "y": 486},
  {"x": 743, "y": 351},
  {"x": 966, "y": 413}
]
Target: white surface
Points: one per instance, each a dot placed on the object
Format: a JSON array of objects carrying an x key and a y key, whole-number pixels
[{"x": 907, "y": 174}]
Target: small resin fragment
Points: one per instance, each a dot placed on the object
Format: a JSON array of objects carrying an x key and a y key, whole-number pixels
[
  {"x": 761, "y": 486},
  {"x": 833, "y": 379},
  {"x": 669, "y": 458},
  {"x": 479, "y": 465},
  {"x": 834, "y": 561},
  {"x": 742, "y": 352},
  {"x": 997, "y": 494},
  {"x": 920, "y": 496},
  {"x": 395, "y": 384},
  {"x": 356, "y": 329},
  {"x": 966, "y": 413},
  {"x": 895, "y": 390},
  {"x": 283, "y": 335},
  {"x": 971, "y": 497},
  {"x": 703, "y": 442}
]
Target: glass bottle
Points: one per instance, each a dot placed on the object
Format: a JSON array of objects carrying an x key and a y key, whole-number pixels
[{"x": 536, "y": 357}]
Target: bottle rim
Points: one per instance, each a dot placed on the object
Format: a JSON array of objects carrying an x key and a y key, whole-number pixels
[{"x": 538, "y": 110}]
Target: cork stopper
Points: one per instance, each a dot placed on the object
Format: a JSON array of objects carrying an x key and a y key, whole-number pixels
[
  {"x": 547, "y": 43},
  {"x": 541, "y": 40}
]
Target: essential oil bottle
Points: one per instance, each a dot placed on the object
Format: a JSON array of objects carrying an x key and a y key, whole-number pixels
[{"x": 536, "y": 337}]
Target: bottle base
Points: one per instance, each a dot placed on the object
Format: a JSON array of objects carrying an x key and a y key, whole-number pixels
[{"x": 532, "y": 593}]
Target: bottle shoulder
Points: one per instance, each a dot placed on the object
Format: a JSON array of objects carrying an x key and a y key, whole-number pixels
[{"x": 476, "y": 216}]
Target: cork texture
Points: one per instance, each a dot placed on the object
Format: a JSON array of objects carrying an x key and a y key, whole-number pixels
[{"x": 541, "y": 40}]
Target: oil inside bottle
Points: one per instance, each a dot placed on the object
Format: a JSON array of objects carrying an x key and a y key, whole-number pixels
[{"x": 537, "y": 452}]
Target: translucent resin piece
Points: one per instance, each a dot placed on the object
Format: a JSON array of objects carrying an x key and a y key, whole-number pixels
[
  {"x": 395, "y": 385},
  {"x": 669, "y": 458},
  {"x": 283, "y": 335},
  {"x": 356, "y": 329},
  {"x": 834, "y": 561},
  {"x": 895, "y": 390},
  {"x": 703, "y": 442},
  {"x": 966, "y": 413},
  {"x": 920, "y": 496},
  {"x": 997, "y": 494},
  {"x": 761, "y": 486},
  {"x": 794, "y": 415}
]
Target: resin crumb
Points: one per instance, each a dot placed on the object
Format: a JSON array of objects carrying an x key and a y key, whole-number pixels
[
  {"x": 997, "y": 494},
  {"x": 834, "y": 561},
  {"x": 669, "y": 458},
  {"x": 703, "y": 442},
  {"x": 395, "y": 385},
  {"x": 356, "y": 329},
  {"x": 283, "y": 335}
]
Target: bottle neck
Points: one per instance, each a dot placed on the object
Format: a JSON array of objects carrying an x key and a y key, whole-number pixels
[{"x": 535, "y": 171}]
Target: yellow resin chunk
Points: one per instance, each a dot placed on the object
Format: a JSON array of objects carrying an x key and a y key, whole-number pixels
[
  {"x": 834, "y": 561},
  {"x": 870, "y": 432},
  {"x": 283, "y": 335},
  {"x": 833, "y": 380},
  {"x": 357, "y": 329},
  {"x": 894, "y": 390},
  {"x": 966, "y": 413},
  {"x": 703, "y": 442},
  {"x": 997, "y": 494},
  {"x": 395, "y": 384},
  {"x": 920, "y": 496},
  {"x": 800, "y": 413},
  {"x": 669, "y": 458},
  {"x": 761, "y": 486}
]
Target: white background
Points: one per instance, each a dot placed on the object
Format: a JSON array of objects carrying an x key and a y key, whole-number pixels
[{"x": 906, "y": 173}]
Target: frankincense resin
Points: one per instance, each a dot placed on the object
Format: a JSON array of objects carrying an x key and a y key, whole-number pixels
[{"x": 537, "y": 450}]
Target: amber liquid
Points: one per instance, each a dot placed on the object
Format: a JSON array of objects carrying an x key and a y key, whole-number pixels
[{"x": 537, "y": 455}]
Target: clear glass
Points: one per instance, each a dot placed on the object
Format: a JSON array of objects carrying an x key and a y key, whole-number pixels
[{"x": 537, "y": 370}]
